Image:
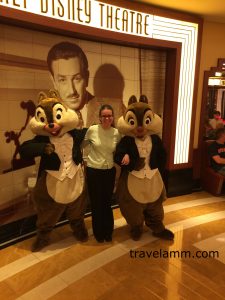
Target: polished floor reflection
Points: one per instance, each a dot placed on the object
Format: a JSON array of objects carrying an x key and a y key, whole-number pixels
[{"x": 191, "y": 267}]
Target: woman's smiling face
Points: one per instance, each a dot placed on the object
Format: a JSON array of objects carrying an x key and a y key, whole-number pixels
[{"x": 106, "y": 118}]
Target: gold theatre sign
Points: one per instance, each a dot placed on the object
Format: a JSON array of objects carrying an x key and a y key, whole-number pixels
[
  {"x": 88, "y": 12},
  {"x": 100, "y": 15}
]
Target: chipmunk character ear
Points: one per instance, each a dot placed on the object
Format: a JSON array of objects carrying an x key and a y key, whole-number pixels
[
  {"x": 143, "y": 99},
  {"x": 50, "y": 94},
  {"x": 132, "y": 99},
  {"x": 54, "y": 94},
  {"x": 42, "y": 95}
]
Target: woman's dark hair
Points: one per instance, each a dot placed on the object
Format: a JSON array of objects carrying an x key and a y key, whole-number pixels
[{"x": 105, "y": 106}]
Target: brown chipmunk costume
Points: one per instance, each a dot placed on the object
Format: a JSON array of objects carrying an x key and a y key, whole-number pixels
[
  {"x": 140, "y": 191},
  {"x": 60, "y": 184}
]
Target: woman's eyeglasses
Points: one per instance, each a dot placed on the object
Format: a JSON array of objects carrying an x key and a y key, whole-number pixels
[{"x": 106, "y": 117}]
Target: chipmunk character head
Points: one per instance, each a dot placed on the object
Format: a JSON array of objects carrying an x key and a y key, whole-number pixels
[
  {"x": 52, "y": 117},
  {"x": 139, "y": 119}
]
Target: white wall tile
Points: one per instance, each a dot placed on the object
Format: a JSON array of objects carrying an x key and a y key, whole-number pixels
[
  {"x": 136, "y": 69},
  {"x": 23, "y": 79},
  {"x": 20, "y": 189},
  {"x": 42, "y": 81},
  {"x": 128, "y": 51},
  {"x": 5, "y": 179},
  {"x": 3, "y": 77},
  {"x": 128, "y": 68},
  {"x": 6, "y": 194},
  {"x": 18, "y": 42},
  {"x": 90, "y": 87},
  {"x": 111, "y": 59},
  {"x": 21, "y": 176},
  {"x": 108, "y": 87},
  {"x": 17, "y": 115},
  {"x": 136, "y": 53},
  {"x": 111, "y": 49},
  {"x": 94, "y": 61},
  {"x": 6, "y": 152},
  {"x": 4, "y": 120},
  {"x": 18, "y": 33},
  {"x": 43, "y": 43},
  {"x": 18, "y": 94},
  {"x": 130, "y": 89},
  {"x": 2, "y": 38},
  {"x": 137, "y": 88},
  {"x": 40, "y": 51},
  {"x": 88, "y": 46}
]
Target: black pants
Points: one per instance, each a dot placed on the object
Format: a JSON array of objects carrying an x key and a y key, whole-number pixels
[{"x": 100, "y": 188}]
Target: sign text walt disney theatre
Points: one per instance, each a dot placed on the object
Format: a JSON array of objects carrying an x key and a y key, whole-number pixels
[
  {"x": 110, "y": 17},
  {"x": 88, "y": 12}
]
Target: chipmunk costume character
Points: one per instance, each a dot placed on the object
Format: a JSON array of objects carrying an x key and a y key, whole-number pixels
[
  {"x": 140, "y": 191},
  {"x": 60, "y": 185}
]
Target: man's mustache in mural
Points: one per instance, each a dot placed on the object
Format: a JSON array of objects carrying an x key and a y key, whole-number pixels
[{"x": 73, "y": 95}]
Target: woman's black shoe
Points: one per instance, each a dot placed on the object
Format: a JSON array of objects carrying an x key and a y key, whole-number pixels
[
  {"x": 100, "y": 240},
  {"x": 108, "y": 238}
]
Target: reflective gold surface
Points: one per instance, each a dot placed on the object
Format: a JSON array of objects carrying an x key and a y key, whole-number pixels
[{"x": 70, "y": 270}]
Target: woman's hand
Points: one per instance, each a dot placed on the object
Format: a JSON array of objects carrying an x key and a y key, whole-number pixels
[{"x": 126, "y": 160}]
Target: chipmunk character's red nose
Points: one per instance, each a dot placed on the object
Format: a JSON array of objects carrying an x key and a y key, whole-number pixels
[{"x": 53, "y": 128}]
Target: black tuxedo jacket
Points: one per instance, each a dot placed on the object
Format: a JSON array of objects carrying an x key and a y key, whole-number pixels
[
  {"x": 35, "y": 147},
  {"x": 127, "y": 146}
]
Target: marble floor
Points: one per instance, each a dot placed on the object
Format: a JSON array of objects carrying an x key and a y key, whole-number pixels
[{"x": 190, "y": 267}]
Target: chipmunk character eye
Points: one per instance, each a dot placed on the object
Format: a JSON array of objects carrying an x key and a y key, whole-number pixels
[
  {"x": 148, "y": 117},
  {"x": 40, "y": 115},
  {"x": 58, "y": 112},
  {"x": 148, "y": 121},
  {"x": 131, "y": 119}
]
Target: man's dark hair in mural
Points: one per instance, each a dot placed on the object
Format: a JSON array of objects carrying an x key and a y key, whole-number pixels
[{"x": 68, "y": 66}]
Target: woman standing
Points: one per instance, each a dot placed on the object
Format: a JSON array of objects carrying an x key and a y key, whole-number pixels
[{"x": 101, "y": 172}]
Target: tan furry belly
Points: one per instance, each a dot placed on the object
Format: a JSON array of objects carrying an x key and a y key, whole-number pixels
[
  {"x": 67, "y": 190},
  {"x": 145, "y": 190}
]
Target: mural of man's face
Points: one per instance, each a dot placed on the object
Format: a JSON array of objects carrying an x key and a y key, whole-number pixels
[{"x": 69, "y": 82}]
